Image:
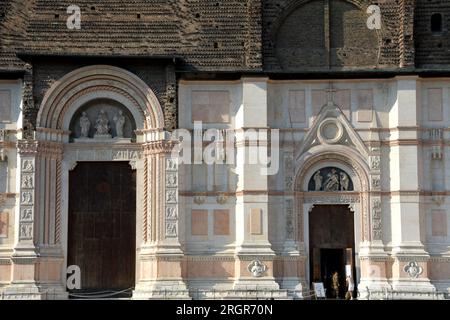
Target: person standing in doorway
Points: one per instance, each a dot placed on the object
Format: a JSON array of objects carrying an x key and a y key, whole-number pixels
[
  {"x": 350, "y": 288},
  {"x": 335, "y": 284}
]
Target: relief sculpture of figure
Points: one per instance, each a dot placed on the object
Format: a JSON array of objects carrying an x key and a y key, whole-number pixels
[
  {"x": 102, "y": 124},
  {"x": 119, "y": 119},
  {"x": 332, "y": 182},
  {"x": 318, "y": 180},
  {"x": 85, "y": 125},
  {"x": 345, "y": 182}
]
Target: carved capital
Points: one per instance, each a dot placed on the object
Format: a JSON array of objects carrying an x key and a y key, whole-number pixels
[
  {"x": 27, "y": 147},
  {"x": 157, "y": 147}
]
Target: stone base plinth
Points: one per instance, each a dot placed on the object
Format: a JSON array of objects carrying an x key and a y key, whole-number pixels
[
  {"x": 30, "y": 291},
  {"x": 161, "y": 290}
]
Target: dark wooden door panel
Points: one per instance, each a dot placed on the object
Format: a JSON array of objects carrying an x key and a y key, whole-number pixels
[{"x": 102, "y": 225}]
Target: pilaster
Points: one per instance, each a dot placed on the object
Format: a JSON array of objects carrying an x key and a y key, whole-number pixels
[
  {"x": 407, "y": 247},
  {"x": 254, "y": 255},
  {"x": 160, "y": 255}
]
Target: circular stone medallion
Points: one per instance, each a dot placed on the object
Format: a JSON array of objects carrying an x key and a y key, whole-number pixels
[{"x": 330, "y": 131}]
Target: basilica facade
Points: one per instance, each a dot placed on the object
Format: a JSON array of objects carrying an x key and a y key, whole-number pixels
[{"x": 327, "y": 120}]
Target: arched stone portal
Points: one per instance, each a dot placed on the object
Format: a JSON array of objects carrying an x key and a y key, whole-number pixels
[
  {"x": 40, "y": 262},
  {"x": 359, "y": 194}
]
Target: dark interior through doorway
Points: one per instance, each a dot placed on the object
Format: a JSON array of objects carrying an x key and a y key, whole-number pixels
[{"x": 332, "y": 247}]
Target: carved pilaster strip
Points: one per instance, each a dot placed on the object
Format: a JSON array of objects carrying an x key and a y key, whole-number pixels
[
  {"x": 300, "y": 218},
  {"x": 171, "y": 198},
  {"x": 290, "y": 221},
  {"x": 145, "y": 203},
  {"x": 58, "y": 202},
  {"x": 376, "y": 219},
  {"x": 28, "y": 150}
]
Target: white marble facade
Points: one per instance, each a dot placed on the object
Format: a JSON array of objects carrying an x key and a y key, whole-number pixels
[{"x": 229, "y": 228}]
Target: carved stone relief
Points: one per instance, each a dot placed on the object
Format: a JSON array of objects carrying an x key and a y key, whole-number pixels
[
  {"x": 102, "y": 119},
  {"x": 413, "y": 269},
  {"x": 290, "y": 229},
  {"x": 377, "y": 225},
  {"x": 26, "y": 231},
  {"x": 330, "y": 180},
  {"x": 375, "y": 163},
  {"x": 171, "y": 217},
  {"x": 288, "y": 171},
  {"x": 27, "y": 184},
  {"x": 257, "y": 268},
  {"x": 338, "y": 199},
  {"x": 376, "y": 182}
]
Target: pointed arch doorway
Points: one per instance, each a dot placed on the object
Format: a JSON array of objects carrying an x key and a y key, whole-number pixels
[{"x": 331, "y": 246}]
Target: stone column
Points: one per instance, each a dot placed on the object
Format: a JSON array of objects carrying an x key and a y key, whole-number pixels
[
  {"x": 409, "y": 270},
  {"x": 254, "y": 256},
  {"x": 25, "y": 256},
  {"x": 160, "y": 257}
]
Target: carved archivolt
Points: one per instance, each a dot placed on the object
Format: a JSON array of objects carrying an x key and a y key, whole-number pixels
[
  {"x": 90, "y": 82},
  {"x": 357, "y": 171}
]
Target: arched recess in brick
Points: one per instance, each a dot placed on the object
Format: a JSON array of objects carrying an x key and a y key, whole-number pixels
[{"x": 324, "y": 34}]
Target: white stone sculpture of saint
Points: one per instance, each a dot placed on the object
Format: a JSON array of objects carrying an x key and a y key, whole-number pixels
[
  {"x": 119, "y": 119},
  {"x": 332, "y": 182},
  {"x": 257, "y": 268},
  {"x": 102, "y": 124},
  {"x": 345, "y": 182},
  {"x": 318, "y": 180},
  {"x": 85, "y": 125}
]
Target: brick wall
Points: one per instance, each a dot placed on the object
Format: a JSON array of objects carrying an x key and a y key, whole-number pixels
[
  {"x": 432, "y": 49},
  {"x": 300, "y": 35}
]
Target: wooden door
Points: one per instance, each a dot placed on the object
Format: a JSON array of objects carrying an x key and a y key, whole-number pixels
[{"x": 102, "y": 225}]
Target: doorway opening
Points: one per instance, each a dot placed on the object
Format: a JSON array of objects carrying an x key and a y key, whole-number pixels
[
  {"x": 102, "y": 227},
  {"x": 332, "y": 248}
]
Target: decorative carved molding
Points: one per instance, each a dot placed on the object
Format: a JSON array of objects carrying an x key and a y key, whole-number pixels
[
  {"x": 133, "y": 165},
  {"x": 413, "y": 269},
  {"x": 332, "y": 199},
  {"x": 377, "y": 225},
  {"x": 27, "y": 192},
  {"x": 375, "y": 182},
  {"x": 158, "y": 147},
  {"x": 171, "y": 206},
  {"x": 199, "y": 200},
  {"x": 27, "y": 147},
  {"x": 290, "y": 221},
  {"x": 222, "y": 199},
  {"x": 289, "y": 172},
  {"x": 331, "y": 127},
  {"x": 375, "y": 163}
]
